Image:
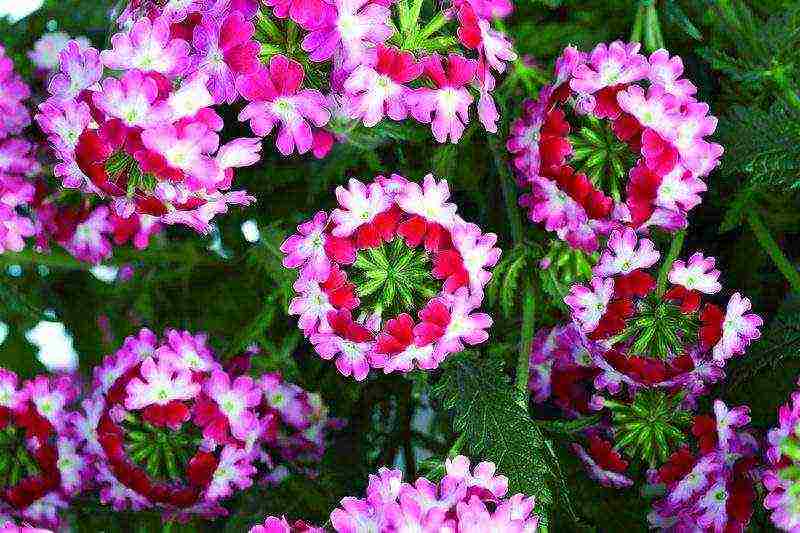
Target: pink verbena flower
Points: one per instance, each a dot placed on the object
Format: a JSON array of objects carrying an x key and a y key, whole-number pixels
[
  {"x": 477, "y": 252},
  {"x": 89, "y": 242},
  {"x": 349, "y": 342},
  {"x": 185, "y": 351},
  {"x": 666, "y": 72},
  {"x": 588, "y": 305},
  {"x": 355, "y": 26},
  {"x": 64, "y": 122},
  {"x": 359, "y": 205},
  {"x": 147, "y": 46},
  {"x": 727, "y": 421},
  {"x": 375, "y": 91},
  {"x": 187, "y": 148},
  {"x": 311, "y": 304},
  {"x": 307, "y": 248},
  {"x": 430, "y": 201},
  {"x": 224, "y": 50},
  {"x": 236, "y": 400},
  {"x": 462, "y": 326},
  {"x": 698, "y": 274},
  {"x": 234, "y": 470},
  {"x": 625, "y": 253},
  {"x": 608, "y": 65},
  {"x": 276, "y": 100},
  {"x": 739, "y": 329},
  {"x": 161, "y": 383},
  {"x": 449, "y": 102},
  {"x": 654, "y": 109},
  {"x": 131, "y": 99},
  {"x": 79, "y": 68}
]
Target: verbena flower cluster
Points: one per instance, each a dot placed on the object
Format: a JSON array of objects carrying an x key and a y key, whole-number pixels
[
  {"x": 137, "y": 124},
  {"x": 647, "y": 336},
  {"x": 374, "y": 60},
  {"x": 638, "y": 354},
  {"x": 391, "y": 249},
  {"x": 167, "y": 427},
  {"x": 468, "y": 500},
  {"x": 618, "y": 138},
  {"x": 41, "y": 464},
  {"x": 711, "y": 488},
  {"x": 31, "y": 208},
  {"x": 16, "y": 160},
  {"x": 783, "y": 457}
]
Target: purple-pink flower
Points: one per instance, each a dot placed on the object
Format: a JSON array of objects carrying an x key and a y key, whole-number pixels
[{"x": 277, "y": 100}]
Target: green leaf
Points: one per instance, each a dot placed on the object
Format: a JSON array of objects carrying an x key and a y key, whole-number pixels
[{"x": 487, "y": 412}]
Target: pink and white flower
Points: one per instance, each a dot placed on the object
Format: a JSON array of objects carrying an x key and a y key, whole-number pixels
[
  {"x": 449, "y": 102},
  {"x": 698, "y": 274},
  {"x": 161, "y": 383},
  {"x": 625, "y": 253},
  {"x": 276, "y": 100},
  {"x": 739, "y": 329},
  {"x": 148, "y": 46},
  {"x": 589, "y": 304}
]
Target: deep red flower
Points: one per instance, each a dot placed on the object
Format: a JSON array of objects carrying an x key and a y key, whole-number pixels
[
  {"x": 396, "y": 336},
  {"x": 711, "y": 330},
  {"x": 704, "y": 428},
  {"x": 340, "y": 292},
  {"x": 605, "y": 456},
  {"x": 448, "y": 265},
  {"x": 679, "y": 464},
  {"x": 343, "y": 325},
  {"x": 434, "y": 319}
]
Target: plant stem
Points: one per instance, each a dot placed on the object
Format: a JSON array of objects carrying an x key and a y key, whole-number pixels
[
  {"x": 509, "y": 194},
  {"x": 674, "y": 250},
  {"x": 456, "y": 448},
  {"x": 524, "y": 357},
  {"x": 767, "y": 242}
]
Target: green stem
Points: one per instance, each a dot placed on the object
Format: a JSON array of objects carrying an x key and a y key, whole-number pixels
[
  {"x": 767, "y": 242},
  {"x": 509, "y": 194},
  {"x": 674, "y": 250},
  {"x": 653, "y": 40},
  {"x": 524, "y": 357},
  {"x": 638, "y": 22},
  {"x": 167, "y": 527},
  {"x": 457, "y": 445},
  {"x": 58, "y": 258}
]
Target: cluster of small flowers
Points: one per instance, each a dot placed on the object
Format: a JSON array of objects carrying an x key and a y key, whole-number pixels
[
  {"x": 640, "y": 337},
  {"x": 627, "y": 337},
  {"x": 28, "y": 208},
  {"x": 781, "y": 478},
  {"x": 711, "y": 489},
  {"x": 295, "y": 424},
  {"x": 429, "y": 245},
  {"x": 167, "y": 427},
  {"x": 465, "y": 500},
  {"x": 147, "y": 136},
  {"x": 358, "y": 50},
  {"x": 17, "y": 163},
  {"x": 352, "y": 47},
  {"x": 41, "y": 466},
  {"x": 656, "y": 125}
]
